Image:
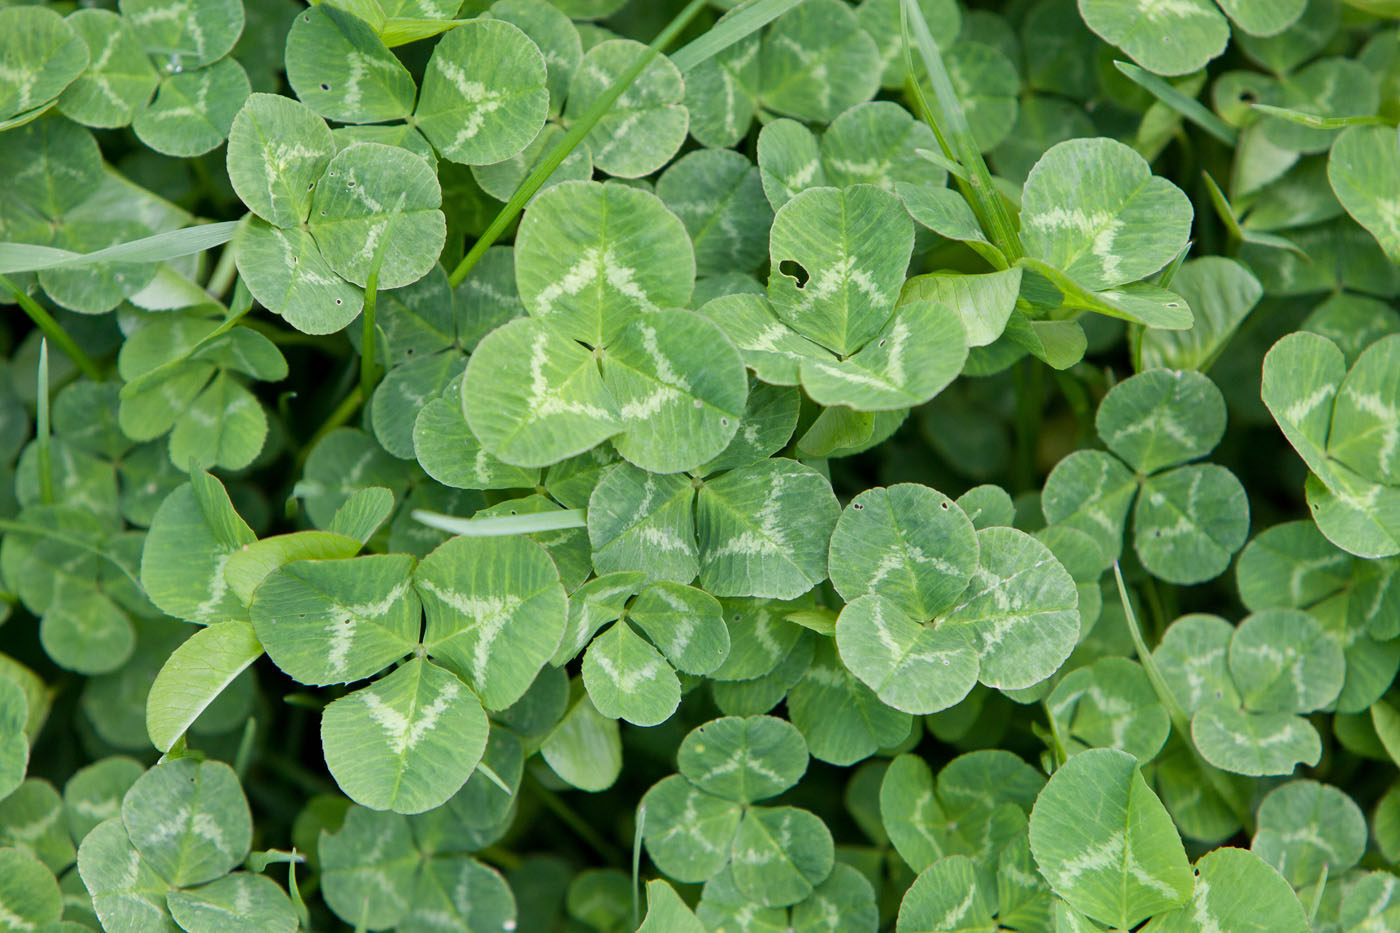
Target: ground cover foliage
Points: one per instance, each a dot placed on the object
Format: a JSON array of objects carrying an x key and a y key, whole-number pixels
[{"x": 794, "y": 465}]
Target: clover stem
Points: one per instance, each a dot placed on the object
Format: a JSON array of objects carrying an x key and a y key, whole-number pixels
[
  {"x": 53, "y": 330},
  {"x": 1180, "y": 721},
  {"x": 1030, "y": 402},
  {"x": 570, "y": 818},
  {"x": 536, "y": 179},
  {"x": 337, "y": 418}
]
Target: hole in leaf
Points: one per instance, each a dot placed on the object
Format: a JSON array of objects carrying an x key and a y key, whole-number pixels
[
  {"x": 339, "y": 302},
  {"x": 724, "y": 422},
  {"x": 1248, "y": 97},
  {"x": 858, "y": 507},
  {"x": 325, "y": 86},
  {"x": 943, "y": 506},
  {"x": 882, "y": 342},
  {"x": 793, "y": 270}
]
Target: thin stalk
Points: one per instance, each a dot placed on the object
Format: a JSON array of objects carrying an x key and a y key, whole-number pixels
[
  {"x": 40, "y": 531},
  {"x": 41, "y": 428},
  {"x": 1180, "y": 721},
  {"x": 637, "y": 864},
  {"x": 580, "y": 827},
  {"x": 368, "y": 371},
  {"x": 956, "y": 137},
  {"x": 145, "y": 379},
  {"x": 52, "y": 330},
  {"x": 1029, "y": 403},
  {"x": 536, "y": 179},
  {"x": 342, "y": 414},
  {"x": 501, "y": 858}
]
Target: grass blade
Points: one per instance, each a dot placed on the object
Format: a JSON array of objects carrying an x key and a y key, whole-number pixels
[
  {"x": 503, "y": 525},
  {"x": 368, "y": 336},
  {"x": 739, "y": 23},
  {"x": 1188, "y": 107},
  {"x": 172, "y": 244},
  {"x": 45, "y": 322},
  {"x": 536, "y": 179},
  {"x": 956, "y": 137},
  {"x": 1316, "y": 121},
  {"x": 41, "y": 427}
]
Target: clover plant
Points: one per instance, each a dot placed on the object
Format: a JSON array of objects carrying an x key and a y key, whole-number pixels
[{"x": 700, "y": 466}]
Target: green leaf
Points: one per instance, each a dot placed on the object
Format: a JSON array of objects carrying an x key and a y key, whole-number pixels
[
  {"x": 769, "y": 347},
  {"x": 484, "y": 96},
  {"x": 274, "y": 177},
  {"x": 337, "y": 621},
  {"x": 1162, "y": 418},
  {"x": 679, "y": 387},
  {"x": 1283, "y": 661},
  {"x": 127, "y": 893},
  {"x": 1093, "y": 209},
  {"x": 908, "y": 543},
  {"x": 763, "y": 530},
  {"x": 367, "y": 866},
  {"x": 584, "y": 749},
  {"x": 1020, "y": 610},
  {"x": 339, "y": 68},
  {"x": 43, "y": 55},
  {"x": 817, "y": 62},
  {"x": 628, "y": 679},
  {"x": 875, "y": 144},
  {"x": 946, "y": 897},
  {"x": 361, "y": 515},
  {"x": 1105, "y": 842},
  {"x": 789, "y": 161},
  {"x": 743, "y": 759},
  {"x": 979, "y": 807},
  {"x": 1189, "y": 522},
  {"x": 240, "y": 901},
  {"x": 194, "y": 110},
  {"x": 839, "y": 256},
  {"x": 1236, "y": 890},
  {"x": 190, "y": 542},
  {"x": 1176, "y": 39},
  {"x": 666, "y": 912},
  {"x": 406, "y": 743},
  {"x": 119, "y": 79},
  {"x": 194, "y": 676},
  {"x": 842, "y": 720},
  {"x": 1221, "y": 293},
  {"x": 31, "y": 820},
  {"x": 919, "y": 352},
  {"x": 1366, "y": 415},
  {"x": 1254, "y": 744},
  {"x": 642, "y": 521},
  {"x": 684, "y": 623},
  {"x": 285, "y": 272},
  {"x": 368, "y": 192},
  {"x": 495, "y": 612},
  {"x": 718, "y": 195},
  {"x": 588, "y": 256},
  {"x": 189, "y": 820},
  {"x": 191, "y": 32},
  {"x": 641, "y": 131},
  {"x": 1364, "y": 171},
  {"x": 1192, "y": 657},
  {"x": 780, "y": 854},
  {"x": 914, "y": 667},
  {"x": 1111, "y": 704},
  {"x": 29, "y": 894},
  {"x": 449, "y": 452},
  {"x": 563, "y": 409},
  {"x": 1304, "y": 826},
  {"x": 688, "y": 832},
  {"x": 983, "y": 302}
]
